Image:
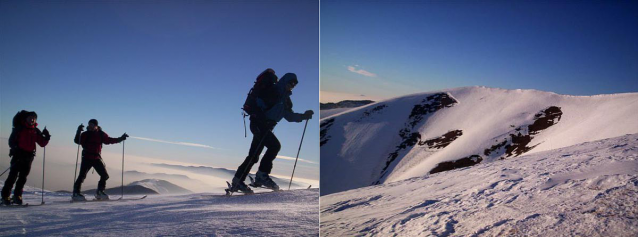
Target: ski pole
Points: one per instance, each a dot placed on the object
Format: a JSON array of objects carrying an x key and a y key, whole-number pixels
[
  {"x": 244, "y": 117},
  {"x": 77, "y": 157},
  {"x": 5, "y": 171},
  {"x": 44, "y": 157},
  {"x": 293, "y": 168},
  {"x": 122, "y": 169}
]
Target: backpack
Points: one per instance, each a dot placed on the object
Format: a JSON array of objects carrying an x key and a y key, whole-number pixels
[{"x": 264, "y": 81}]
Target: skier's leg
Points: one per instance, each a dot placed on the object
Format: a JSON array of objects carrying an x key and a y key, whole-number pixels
[
  {"x": 11, "y": 179},
  {"x": 84, "y": 169},
  {"x": 100, "y": 168},
  {"x": 273, "y": 145},
  {"x": 25, "y": 169},
  {"x": 256, "y": 147}
]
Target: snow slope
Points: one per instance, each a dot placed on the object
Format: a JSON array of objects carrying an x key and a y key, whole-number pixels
[
  {"x": 293, "y": 213},
  {"x": 589, "y": 189},
  {"x": 423, "y": 133}
]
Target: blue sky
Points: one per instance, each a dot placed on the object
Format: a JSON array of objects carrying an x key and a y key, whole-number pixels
[
  {"x": 383, "y": 49},
  {"x": 175, "y": 71}
]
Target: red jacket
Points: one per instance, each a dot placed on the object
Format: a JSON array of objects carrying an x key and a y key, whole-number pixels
[
  {"x": 25, "y": 138},
  {"x": 92, "y": 143}
]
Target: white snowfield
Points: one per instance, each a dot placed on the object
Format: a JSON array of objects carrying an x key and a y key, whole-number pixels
[
  {"x": 290, "y": 213},
  {"x": 358, "y": 145},
  {"x": 589, "y": 189}
]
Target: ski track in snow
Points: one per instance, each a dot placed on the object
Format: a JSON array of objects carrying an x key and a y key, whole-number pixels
[
  {"x": 590, "y": 189},
  {"x": 290, "y": 213}
]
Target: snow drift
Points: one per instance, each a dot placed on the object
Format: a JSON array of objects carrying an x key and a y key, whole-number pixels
[
  {"x": 432, "y": 132},
  {"x": 589, "y": 189}
]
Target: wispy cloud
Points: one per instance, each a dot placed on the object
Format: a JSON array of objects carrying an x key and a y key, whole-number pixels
[
  {"x": 292, "y": 158},
  {"x": 175, "y": 143},
  {"x": 361, "y": 71}
]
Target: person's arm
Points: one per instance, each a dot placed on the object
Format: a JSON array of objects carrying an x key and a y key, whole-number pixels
[
  {"x": 78, "y": 133},
  {"x": 42, "y": 138},
  {"x": 290, "y": 115},
  {"x": 111, "y": 140}
]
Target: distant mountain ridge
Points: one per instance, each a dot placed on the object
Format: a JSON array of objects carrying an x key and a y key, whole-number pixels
[
  {"x": 432, "y": 132},
  {"x": 345, "y": 104},
  {"x": 145, "y": 187}
]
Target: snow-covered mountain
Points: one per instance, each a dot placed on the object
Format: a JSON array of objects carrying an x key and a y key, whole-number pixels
[
  {"x": 431, "y": 132},
  {"x": 145, "y": 187},
  {"x": 160, "y": 186},
  {"x": 589, "y": 189}
]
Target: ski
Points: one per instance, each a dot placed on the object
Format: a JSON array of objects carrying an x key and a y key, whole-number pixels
[
  {"x": 110, "y": 200},
  {"x": 230, "y": 193},
  {"x": 15, "y": 205}
]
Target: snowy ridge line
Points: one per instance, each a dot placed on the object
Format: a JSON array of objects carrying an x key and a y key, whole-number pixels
[
  {"x": 588, "y": 189},
  {"x": 378, "y": 143}
]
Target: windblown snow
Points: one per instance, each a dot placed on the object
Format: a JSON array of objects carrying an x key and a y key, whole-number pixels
[
  {"x": 289, "y": 213},
  {"x": 588, "y": 189},
  {"x": 426, "y": 133}
]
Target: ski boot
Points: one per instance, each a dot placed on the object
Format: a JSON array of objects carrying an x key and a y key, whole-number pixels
[
  {"x": 263, "y": 179},
  {"x": 100, "y": 195},
  {"x": 78, "y": 197},
  {"x": 240, "y": 186},
  {"x": 6, "y": 201},
  {"x": 17, "y": 200}
]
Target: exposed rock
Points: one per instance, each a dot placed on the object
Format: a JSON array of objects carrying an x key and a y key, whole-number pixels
[
  {"x": 427, "y": 106},
  {"x": 323, "y": 133},
  {"x": 460, "y": 163}
]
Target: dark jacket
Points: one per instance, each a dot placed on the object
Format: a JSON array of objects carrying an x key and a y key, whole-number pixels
[
  {"x": 276, "y": 103},
  {"x": 92, "y": 142},
  {"x": 24, "y": 138}
]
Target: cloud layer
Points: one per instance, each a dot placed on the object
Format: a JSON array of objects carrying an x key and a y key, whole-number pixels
[
  {"x": 361, "y": 71},
  {"x": 176, "y": 143}
]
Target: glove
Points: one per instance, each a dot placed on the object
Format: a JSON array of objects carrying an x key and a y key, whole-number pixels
[
  {"x": 123, "y": 137},
  {"x": 81, "y": 127},
  {"x": 46, "y": 134},
  {"x": 11, "y": 152},
  {"x": 307, "y": 115}
]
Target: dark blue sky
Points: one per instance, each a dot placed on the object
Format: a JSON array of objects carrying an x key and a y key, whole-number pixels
[
  {"x": 567, "y": 47},
  {"x": 170, "y": 70}
]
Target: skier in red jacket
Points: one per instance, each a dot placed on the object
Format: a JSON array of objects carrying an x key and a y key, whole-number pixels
[
  {"x": 91, "y": 142},
  {"x": 22, "y": 144}
]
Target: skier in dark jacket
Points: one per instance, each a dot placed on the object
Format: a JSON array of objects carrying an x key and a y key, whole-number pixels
[
  {"x": 91, "y": 142},
  {"x": 274, "y": 105},
  {"x": 22, "y": 144}
]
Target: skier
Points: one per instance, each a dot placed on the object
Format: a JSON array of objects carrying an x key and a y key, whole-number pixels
[
  {"x": 273, "y": 105},
  {"x": 91, "y": 142},
  {"x": 22, "y": 140}
]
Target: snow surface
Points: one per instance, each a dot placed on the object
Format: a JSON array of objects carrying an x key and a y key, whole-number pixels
[
  {"x": 589, "y": 189},
  {"x": 358, "y": 142},
  {"x": 290, "y": 213}
]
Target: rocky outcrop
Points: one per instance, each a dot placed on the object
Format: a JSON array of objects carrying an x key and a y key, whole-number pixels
[
  {"x": 409, "y": 138},
  {"x": 323, "y": 133}
]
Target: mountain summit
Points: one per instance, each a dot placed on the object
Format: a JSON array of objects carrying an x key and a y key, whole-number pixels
[{"x": 425, "y": 133}]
